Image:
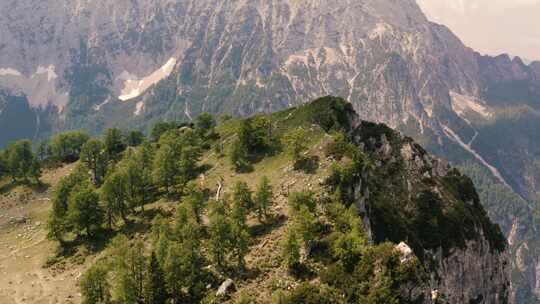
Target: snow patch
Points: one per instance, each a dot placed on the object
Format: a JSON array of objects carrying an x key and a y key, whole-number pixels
[
  {"x": 134, "y": 87},
  {"x": 9, "y": 72},
  {"x": 462, "y": 104}
]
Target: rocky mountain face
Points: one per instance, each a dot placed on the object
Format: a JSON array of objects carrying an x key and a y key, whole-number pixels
[
  {"x": 463, "y": 251},
  {"x": 92, "y": 64}
]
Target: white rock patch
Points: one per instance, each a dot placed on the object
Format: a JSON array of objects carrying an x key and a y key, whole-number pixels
[
  {"x": 39, "y": 88},
  {"x": 9, "y": 72},
  {"x": 50, "y": 71},
  {"x": 453, "y": 135},
  {"x": 462, "y": 105},
  {"x": 135, "y": 87},
  {"x": 138, "y": 108}
]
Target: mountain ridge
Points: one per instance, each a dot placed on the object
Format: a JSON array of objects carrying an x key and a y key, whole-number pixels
[{"x": 242, "y": 57}]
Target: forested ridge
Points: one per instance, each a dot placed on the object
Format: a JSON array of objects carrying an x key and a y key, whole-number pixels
[{"x": 263, "y": 209}]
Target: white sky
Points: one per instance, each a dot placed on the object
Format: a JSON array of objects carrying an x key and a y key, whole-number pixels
[{"x": 491, "y": 26}]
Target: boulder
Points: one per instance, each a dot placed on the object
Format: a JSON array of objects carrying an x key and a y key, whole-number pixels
[
  {"x": 406, "y": 252},
  {"x": 225, "y": 288}
]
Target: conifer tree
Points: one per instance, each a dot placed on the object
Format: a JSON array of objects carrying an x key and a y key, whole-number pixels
[
  {"x": 136, "y": 169},
  {"x": 134, "y": 138},
  {"x": 295, "y": 143},
  {"x": 263, "y": 199},
  {"x": 66, "y": 147},
  {"x": 239, "y": 157},
  {"x": 219, "y": 230},
  {"x": 302, "y": 206},
  {"x": 84, "y": 212},
  {"x": 176, "y": 159},
  {"x": 114, "y": 194},
  {"x": 58, "y": 222},
  {"x": 94, "y": 284},
  {"x": 195, "y": 201},
  {"x": 155, "y": 291},
  {"x": 44, "y": 150},
  {"x": 205, "y": 125},
  {"x": 114, "y": 143},
  {"x": 130, "y": 272},
  {"x": 21, "y": 161},
  {"x": 242, "y": 195},
  {"x": 184, "y": 261},
  {"x": 3, "y": 163},
  {"x": 239, "y": 231},
  {"x": 291, "y": 250},
  {"x": 94, "y": 156}
]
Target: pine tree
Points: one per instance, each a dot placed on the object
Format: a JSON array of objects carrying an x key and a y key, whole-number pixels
[
  {"x": 174, "y": 272},
  {"x": 115, "y": 195},
  {"x": 84, "y": 212},
  {"x": 239, "y": 231},
  {"x": 239, "y": 157},
  {"x": 242, "y": 195},
  {"x": 219, "y": 230},
  {"x": 184, "y": 262},
  {"x": 155, "y": 291},
  {"x": 187, "y": 229},
  {"x": 44, "y": 150},
  {"x": 145, "y": 160},
  {"x": 114, "y": 143},
  {"x": 94, "y": 284},
  {"x": 302, "y": 206},
  {"x": 291, "y": 250},
  {"x": 195, "y": 201},
  {"x": 205, "y": 125},
  {"x": 136, "y": 169},
  {"x": 130, "y": 272},
  {"x": 58, "y": 222},
  {"x": 160, "y": 128},
  {"x": 295, "y": 144},
  {"x": 35, "y": 171},
  {"x": 263, "y": 199},
  {"x": 93, "y": 155},
  {"x": 165, "y": 168},
  {"x": 134, "y": 138},
  {"x": 176, "y": 160},
  {"x": 21, "y": 160},
  {"x": 66, "y": 147},
  {"x": 3, "y": 163},
  {"x": 350, "y": 239}
]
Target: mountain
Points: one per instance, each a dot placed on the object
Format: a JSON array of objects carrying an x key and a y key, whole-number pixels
[
  {"x": 132, "y": 63},
  {"x": 374, "y": 218}
]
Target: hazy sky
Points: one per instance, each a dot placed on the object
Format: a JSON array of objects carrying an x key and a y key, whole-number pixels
[{"x": 491, "y": 26}]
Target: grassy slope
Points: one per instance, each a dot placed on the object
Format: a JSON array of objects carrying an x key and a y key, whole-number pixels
[
  {"x": 24, "y": 249},
  {"x": 265, "y": 272}
]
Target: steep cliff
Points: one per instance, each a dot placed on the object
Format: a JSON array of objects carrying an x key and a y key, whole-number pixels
[{"x": 414, "y": 198}]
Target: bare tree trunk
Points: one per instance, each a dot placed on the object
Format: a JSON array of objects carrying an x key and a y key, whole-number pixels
[{"x": 220, "y": 187}]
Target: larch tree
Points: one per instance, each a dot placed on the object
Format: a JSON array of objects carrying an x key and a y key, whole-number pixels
[{"x": 263, "y": 199}]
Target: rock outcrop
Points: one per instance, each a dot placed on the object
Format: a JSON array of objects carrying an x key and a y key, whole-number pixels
[{"x": 432, "y": 211}]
